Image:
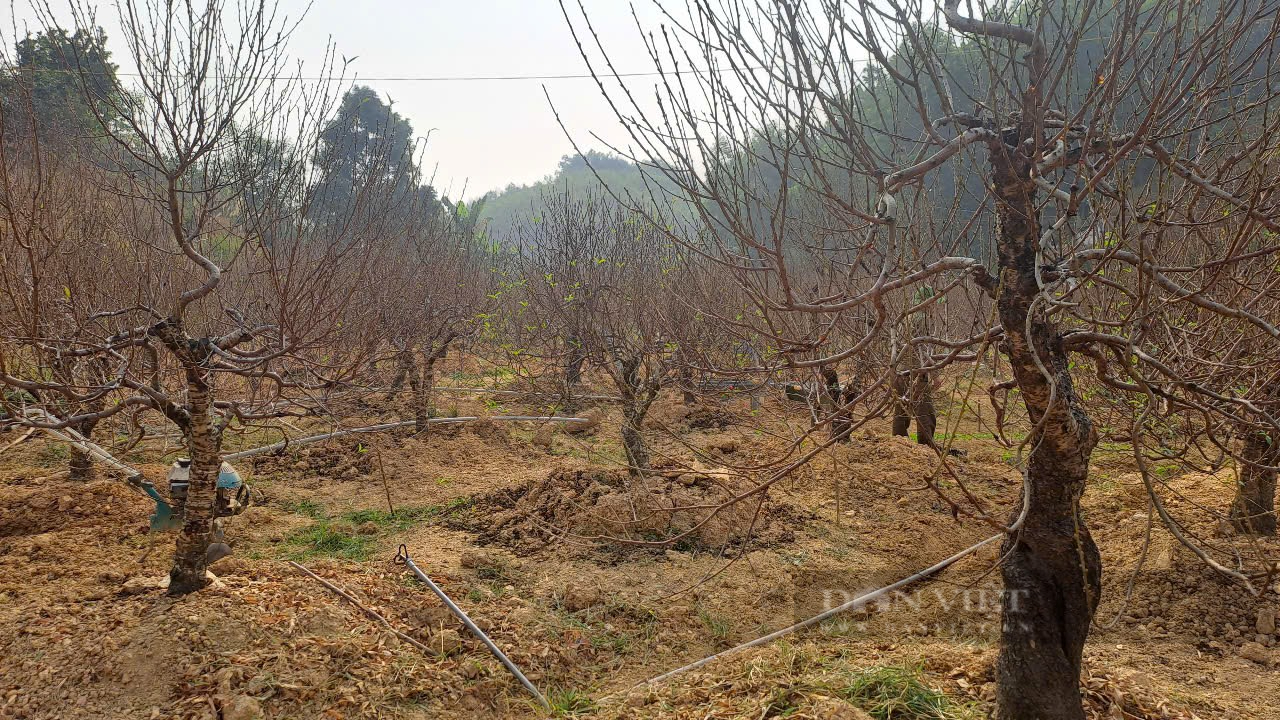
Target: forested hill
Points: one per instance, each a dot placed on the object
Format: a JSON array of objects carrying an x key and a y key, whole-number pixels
[{"x": 576, "y": 175}]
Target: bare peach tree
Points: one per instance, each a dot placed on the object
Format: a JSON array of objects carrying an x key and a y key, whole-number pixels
[
  {"x": 55, "y": 278},
  {"x": 1010, "y": 158},
  {"x": 437, "y": 286},
  {"x": 236, "y": 297},
  {"x": 603, "y": 274}
]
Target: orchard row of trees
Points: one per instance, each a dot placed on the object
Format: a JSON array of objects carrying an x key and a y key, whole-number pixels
[
  {"x": 1066, "y": 206},
  {"x": 218, "y": 247},
  {"x": 1079, "y": 194}
]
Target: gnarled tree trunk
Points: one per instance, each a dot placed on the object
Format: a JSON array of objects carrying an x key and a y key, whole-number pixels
[
  {"x": 633, "y": 443},
  {"x": 574, "y": 362},
  {"x": 419, "y": 387},
  {"x": 836, "y": 404},
  {"x": 404, "y": 366},
  {"x": 81, "y": 461},
  {"x": 913, "y": 400},
  {"x": 925, "y": 414},
  {"x": 81, "y": 466},
  {"x": 190, "y": 560},
  {"x": 1253, "y": 510},
  {"x": 1051, "y": 568},
  {"x": 638, "y": 393},
  {"x": 900, "y": 387}
]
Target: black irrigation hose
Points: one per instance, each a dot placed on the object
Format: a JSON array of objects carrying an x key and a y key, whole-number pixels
[{"x": 402, "y": 557}]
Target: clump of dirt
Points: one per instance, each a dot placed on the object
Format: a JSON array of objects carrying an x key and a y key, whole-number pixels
[
  {"x": 1181, "y": 595},
  {"x": 705, "y": 417},
  {"x": 598, "y": 504},
  {"x": 44, "y": 508},
  {"x": 489, "y": 431},
  {"x": 336, "y": 460}
]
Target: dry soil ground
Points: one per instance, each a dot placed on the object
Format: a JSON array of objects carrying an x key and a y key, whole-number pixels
[{"x": 503, "y": 517}]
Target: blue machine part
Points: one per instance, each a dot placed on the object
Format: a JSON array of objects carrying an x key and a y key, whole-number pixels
[
  {"x": 163, "y": 518},
  {"x": 228, "y": 478}
]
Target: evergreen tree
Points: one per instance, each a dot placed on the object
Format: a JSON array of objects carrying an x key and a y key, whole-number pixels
[
  {"x": 60, "y": 86},
  {"x": 368, "y": 148}
]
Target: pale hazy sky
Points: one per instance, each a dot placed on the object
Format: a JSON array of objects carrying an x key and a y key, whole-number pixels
[{"x": 487, "y": 133}]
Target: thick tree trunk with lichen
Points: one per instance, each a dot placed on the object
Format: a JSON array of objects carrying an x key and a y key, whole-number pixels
[
  {"x": 1253, "y": 511},
  {"x": 190, "y": 561},
  {"x": 1051, "y": 567},
  {"x": 204, "y": 440}
]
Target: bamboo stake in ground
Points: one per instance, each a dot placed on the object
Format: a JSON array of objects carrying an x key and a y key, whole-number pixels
[
  {"x": 391, "y": 509},
  {"x": 25, "y": 435}
]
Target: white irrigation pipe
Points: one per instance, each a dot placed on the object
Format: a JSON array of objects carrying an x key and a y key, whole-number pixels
[
  {"x": 851, "y": 605},
  {"x": 536, "y": 418},
  {"x": 71, "y": 437},
  {"x": 273, "y": 447}
]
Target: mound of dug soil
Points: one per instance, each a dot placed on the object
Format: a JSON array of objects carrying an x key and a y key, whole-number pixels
[
  {"x": 40, "y": 509},
  {"x": 703, "y": 417},
  {"x": 330, "y": 460},
  {"x": 1181, "y": 596},
  {"x": 596, "y": 505}
]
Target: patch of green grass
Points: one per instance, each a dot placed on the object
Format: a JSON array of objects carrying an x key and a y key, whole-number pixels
[
  {"x": 839, "y": 627},
  {"x": 966, "y": 436},
  {"x": 718, "y": 625},
  {"x": 332, "y": 540},
  {"x": 568, "y": 702},
  {"x": 797, "y": 558},
  {"x": 305, "y": 508},
  {"x": 54, "y": 453},
  {"x": 407, "y": 517},
  {"x": 347, "y": 536},
  {"x": 602, "y": 635},
  {"x": 898, "y": 693}
]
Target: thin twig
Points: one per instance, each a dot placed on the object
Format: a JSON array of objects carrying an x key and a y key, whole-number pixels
[
  {"x": 24, "y": 437},
  {"x": 345, "y": 596},
  {"x": 391, "y": 509}
]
